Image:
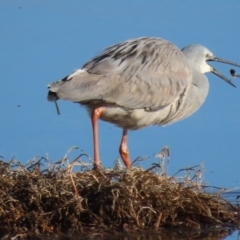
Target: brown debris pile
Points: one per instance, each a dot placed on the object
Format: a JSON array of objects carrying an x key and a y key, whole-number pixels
[{"x": 57, "y": 200}]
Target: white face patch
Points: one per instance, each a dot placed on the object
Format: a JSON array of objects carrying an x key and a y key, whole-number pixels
[
  {"x": 79, "y": 71},
  {"x": 204, "y": 68}
]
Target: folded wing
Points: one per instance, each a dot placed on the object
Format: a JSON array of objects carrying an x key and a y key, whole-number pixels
[{"x": 145, "y": 73}]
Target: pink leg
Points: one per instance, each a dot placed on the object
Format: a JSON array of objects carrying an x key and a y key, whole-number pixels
[
  {"x": 123, "y": 150},
  {"x": 95, "y": 116}
]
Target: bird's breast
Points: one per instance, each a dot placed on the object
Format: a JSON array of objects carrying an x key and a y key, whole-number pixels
[{"x": 192, "y": 100}]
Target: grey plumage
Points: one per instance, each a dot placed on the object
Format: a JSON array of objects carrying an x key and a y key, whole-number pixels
[
  {"x": 137, "y": 63},
  {"x": 141, "y": 82}
]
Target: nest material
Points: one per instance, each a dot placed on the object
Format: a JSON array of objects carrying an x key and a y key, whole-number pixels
[{"x": 58, "y": 201}]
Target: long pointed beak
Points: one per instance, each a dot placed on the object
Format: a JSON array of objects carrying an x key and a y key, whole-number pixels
[
  {"x": 222, "y": 76},
  {"x": 217, "y": 59}
]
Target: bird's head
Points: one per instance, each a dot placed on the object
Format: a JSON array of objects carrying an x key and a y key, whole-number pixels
[{"x": 198, "y": 57}]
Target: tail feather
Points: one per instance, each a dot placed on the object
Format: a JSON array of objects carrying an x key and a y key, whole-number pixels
[{"x": 77, "y": 87}]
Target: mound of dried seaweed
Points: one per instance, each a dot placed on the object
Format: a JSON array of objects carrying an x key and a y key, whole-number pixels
[{"x": 44, "y": 198}]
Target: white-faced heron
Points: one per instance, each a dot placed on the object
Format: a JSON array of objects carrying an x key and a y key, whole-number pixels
[{"x": 138, "y": 83}]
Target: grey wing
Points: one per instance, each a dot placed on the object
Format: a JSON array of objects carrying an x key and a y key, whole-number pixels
[{"x": 140, "y": 73}]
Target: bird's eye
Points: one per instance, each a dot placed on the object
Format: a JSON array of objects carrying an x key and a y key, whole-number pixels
[{"x": 207, "y": 55}]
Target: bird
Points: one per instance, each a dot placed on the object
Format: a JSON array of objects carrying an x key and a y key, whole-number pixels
[{"x": 138, "y": 83}]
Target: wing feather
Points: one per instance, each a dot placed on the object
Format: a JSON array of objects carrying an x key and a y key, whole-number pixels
[{"x": 140, "y": 73}]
